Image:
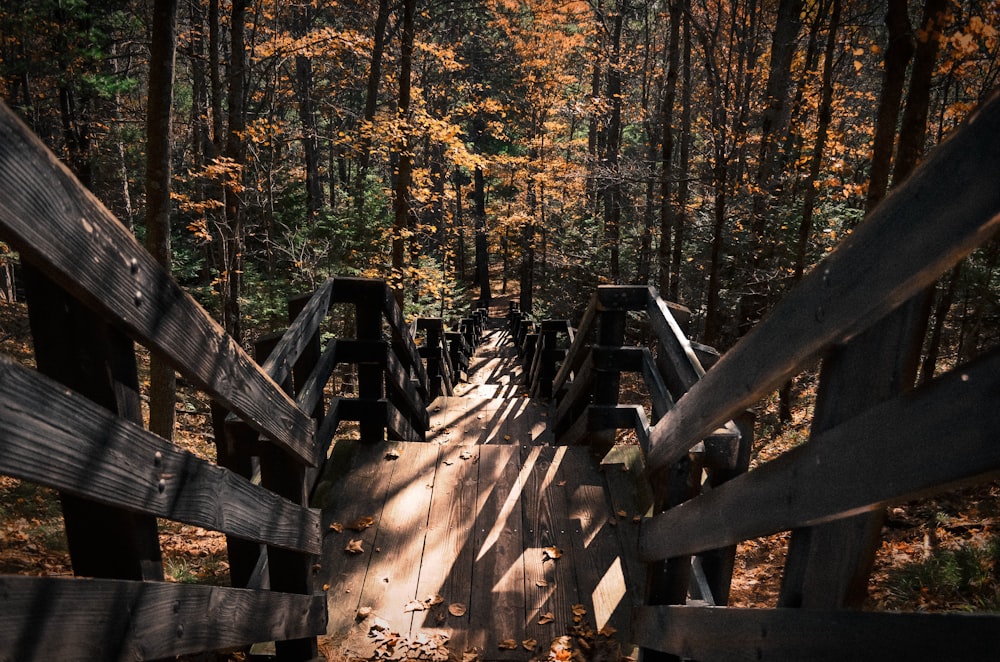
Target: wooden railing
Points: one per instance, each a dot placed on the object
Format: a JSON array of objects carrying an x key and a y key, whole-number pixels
[
  {"x": 875, "y": 439},
  {"x": 75, "y": 425}
]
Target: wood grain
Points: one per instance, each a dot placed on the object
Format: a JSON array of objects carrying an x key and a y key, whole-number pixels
[
  {"x": 934, "y": 437},
  {"x": 47, "y": 618},
  {"x": 727, "y": 633},
  {"x": 76, "y": 446}
]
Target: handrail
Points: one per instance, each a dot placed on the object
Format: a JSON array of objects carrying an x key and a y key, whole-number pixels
[
  {"x": 63, "y": 229},
  {"x": 936, "y": 217}
]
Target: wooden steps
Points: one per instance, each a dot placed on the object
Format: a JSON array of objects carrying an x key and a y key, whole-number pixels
[
  {"x": 489, "y": 420},
  {"x": 470, "y": 522}
]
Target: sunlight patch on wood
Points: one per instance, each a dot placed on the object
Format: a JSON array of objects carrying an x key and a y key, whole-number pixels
[
  {"x": 609, "y": 593},
  {"x": 505, "y": 511}
]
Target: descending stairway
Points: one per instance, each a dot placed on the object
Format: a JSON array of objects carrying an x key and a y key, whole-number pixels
[{"x": 484, "y": 535}]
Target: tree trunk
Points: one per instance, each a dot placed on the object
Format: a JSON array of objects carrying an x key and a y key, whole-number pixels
[
  {"x": 402, "y": 205},
  {"x": 215, "y": 75},
  {"x": 162, "y": 381},
  {"x": 897, "y": 58},
  {"x": 307, "y": 115},
  {"x": 667, "y": 143},
  {"x": 482, "y": 245},
  {"x": 235, "y": 150},
  {"x": 612, "y": 175},
  {"x": 371, "y": 105},
  {"x": 683, "y": 190},
  {"x": 783, "y": 44}
]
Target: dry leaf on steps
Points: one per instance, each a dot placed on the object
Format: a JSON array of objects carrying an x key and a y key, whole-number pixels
[
  {"x": 541, "y": 583},
  {"x": 546, "y": 618},
  {"x": 507, "y": 645},
  {"x": 362, "y": 523},
  {"x": 456, "y": 609},
  {"x": 414, "y": 605},
  {"x": 354, "y": 547},
  {"x": 529, "y": 644},
  {"x": 336, "y": 526},
  {"x": 551, "y": 553}
]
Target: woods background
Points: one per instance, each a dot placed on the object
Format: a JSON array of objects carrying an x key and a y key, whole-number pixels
[{"x": 715, "y": 149}]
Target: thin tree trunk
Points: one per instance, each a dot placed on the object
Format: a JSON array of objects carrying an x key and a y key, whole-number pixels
[
  {"x": 612, "y": 174},
  {"x": 683, "y": 190},
  {"x": 667, "y": 221},
  {"x": 162, "y": 381},
  {"x": 402, "y": 205},
  {"x": 897, "y": 58},
  {"x": 235, "y": 150},
  {"x": 307, "y": 115},
  {"x": 371, "y": 105}
]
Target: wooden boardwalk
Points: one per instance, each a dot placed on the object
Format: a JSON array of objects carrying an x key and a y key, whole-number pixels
[{"x": 487, "y": 533}]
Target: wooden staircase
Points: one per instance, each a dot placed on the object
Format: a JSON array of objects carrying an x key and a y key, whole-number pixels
[{"x": 485, "y": 536}]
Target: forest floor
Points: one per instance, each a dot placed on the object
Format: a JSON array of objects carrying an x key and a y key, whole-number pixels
[{"x": 940, "y": 553}]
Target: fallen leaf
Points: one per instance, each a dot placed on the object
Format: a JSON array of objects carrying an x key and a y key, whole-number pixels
[
  {"x": 326, "y": 587},
  {"x": 607, "y": 631},
  {"x": 336, "y": 526},
  {"x": 470, "y": 656},
  {"x": 541, "y": 583},
  {"x": 637, "y": 519},
  {"x": 362, "y": 523},
  {"x": 621, "y": 513},
  {"x": 465, "y": 455},
  {"x": 507, "y": 645},
  {"x": 551, "y": 553},
  {"x": 354, "y": 547},
  {"x": 506, "y": 437},
  {"x": 363, "y": 613},
  {"x": 456, "y": 609},
  {"x": 561, "y": 483},
  {"x": 529, "y": 644},
  {"x": 612, "y": 521},
  {"x": 546, "y": 618},
  {"x": 414, "y": 605},
  {"x": 434, "y": 600},
  {"x": 449, "y": 462},
  {"x": 579, "y": 610},
  {"x": 392, "y": 454}
]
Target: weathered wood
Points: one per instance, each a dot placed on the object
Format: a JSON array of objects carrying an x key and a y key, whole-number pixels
[
  {"x": 550, "y": 585},
  {"x": 449, "y": 556},
  {"x": 83, "y": 353},
  {"x": 621, "y": 298},
  {"x": 721, "y": 633},
  {"x": 675, "y": 350},
  {"x": 572, "y": 404},
  {"x": 302, "y": 331},
  {"x": 945, "y": 209},
  {"x": 68, "y": 233},
  {"x": 497, "y": 605},
  {"x": 936, "y": 436},
  {"x": 48, "y": 618},
  {"x": 76, "y": 446},
  {"x": 310, "y": 394},
  {"x": 577, "y": 352}
]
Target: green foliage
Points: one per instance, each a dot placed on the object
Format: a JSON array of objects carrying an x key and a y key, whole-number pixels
[{"x": 964, "y": 578}]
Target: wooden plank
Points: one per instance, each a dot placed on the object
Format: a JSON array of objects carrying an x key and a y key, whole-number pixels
[
  {"x": 945, "y": 209},
  {"x": 398, "y": 545},
  {"x": 66, "y": 231},
  {"x": 934, "y": 437},
  {"x": 75, "y": 446},
  {"x": 659, "y": 396},
  {"x": 48, "y": 618},
  {"x": 310, "y": 394},
  {"x": 354, "y": 485},
  {"x": 601, "y": 571},
  {"x": 449, "y": 554},
  {"x": 576, "y": 352},
  {"x": 572, "y": 404},
  {"x": 550, "y": 585},
  {"x": 675, "y": 349},
  {"x": 622, "y": 297},
  {"x": 293, "y": 342},
  {"x": 97, "y": 361},
  {"x": 622, "y": 469},
  {"x": 726, "y": 633},
  {"x": 496, "y": 610}
]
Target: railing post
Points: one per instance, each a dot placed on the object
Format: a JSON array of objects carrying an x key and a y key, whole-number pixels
[
  {"x": 77, "y": 349},
  {"x": 371, "y": 384},
  {"x": 610, "y": 333}
]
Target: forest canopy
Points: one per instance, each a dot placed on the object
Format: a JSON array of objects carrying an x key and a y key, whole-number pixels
[{"x": 715, "y": 149}]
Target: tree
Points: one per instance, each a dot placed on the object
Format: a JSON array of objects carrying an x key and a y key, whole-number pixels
[{"x": 162, "y": 381}]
